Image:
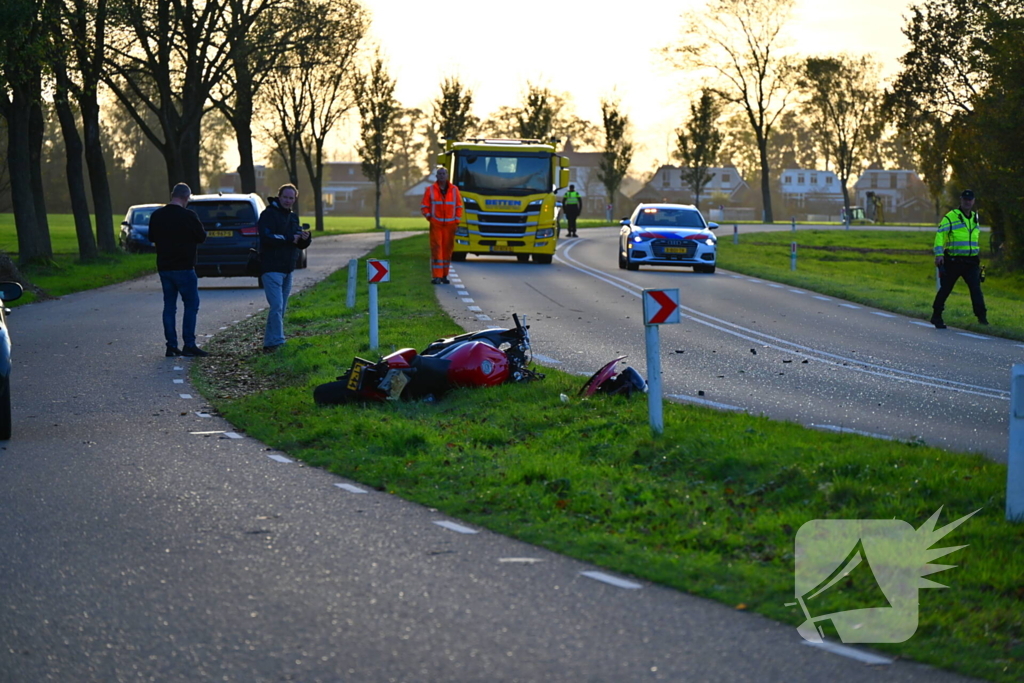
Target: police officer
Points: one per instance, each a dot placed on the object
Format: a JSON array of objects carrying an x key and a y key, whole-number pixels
[
  {"x": 958, "y": 255},
  {"x": 572, "y": 205}
]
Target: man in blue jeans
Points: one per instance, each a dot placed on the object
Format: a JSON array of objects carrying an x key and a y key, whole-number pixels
[
  {"x": 280, "y": 241},
  {"x": 176, "y": 231}
]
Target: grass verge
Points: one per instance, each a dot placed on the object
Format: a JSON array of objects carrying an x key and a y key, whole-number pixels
[
  {"x": 894, "y": 271},
  {"x": 710, "y": 511}
]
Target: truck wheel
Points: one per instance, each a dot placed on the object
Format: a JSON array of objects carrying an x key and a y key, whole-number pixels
[
  {"x": 542, "y": 258},
  {"x": 458, "y": 256},
  {"x": 522, "y": 258}
]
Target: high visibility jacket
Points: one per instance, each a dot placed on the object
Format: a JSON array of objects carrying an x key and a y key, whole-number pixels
[
  {"x": 442, "y": 207},
  {"x": 958, "y": 235},
  {"x": 571, "y": 197}
]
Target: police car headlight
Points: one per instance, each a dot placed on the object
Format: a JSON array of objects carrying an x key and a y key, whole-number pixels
[
  {"x": 710, "y": 242},
  {"x": 546, "y": 232}
]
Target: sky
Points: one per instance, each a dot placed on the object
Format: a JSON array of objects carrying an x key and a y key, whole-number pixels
[{"x": 591, "y": 50}]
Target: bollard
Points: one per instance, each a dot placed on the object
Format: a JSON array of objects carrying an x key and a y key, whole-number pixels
[
  {"x": 794, "y": 223},
  {"x": 373, "y": 316},
  {"x": 1015, "y": 457},
  {"x": 792, "y": 255},
  {"x": 735, "y": 234},
  {"x": 387, "y": 242},
  {"x": 654, "y": 406},
  {"x": 350, "y": 296}
]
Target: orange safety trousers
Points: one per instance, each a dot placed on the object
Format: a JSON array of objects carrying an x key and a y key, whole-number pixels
[{"x": 442, "y": 238}]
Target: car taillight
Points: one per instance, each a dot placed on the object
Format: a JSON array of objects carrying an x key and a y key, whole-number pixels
[{"x": 250, "y": 232}]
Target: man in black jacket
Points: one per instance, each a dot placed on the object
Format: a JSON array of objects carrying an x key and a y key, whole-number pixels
[
  {"x": 280, "y": 241},
  {"x": 176, "y": 231}
]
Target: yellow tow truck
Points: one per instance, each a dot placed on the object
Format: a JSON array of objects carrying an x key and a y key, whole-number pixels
[{"x": 508, "y": 193}]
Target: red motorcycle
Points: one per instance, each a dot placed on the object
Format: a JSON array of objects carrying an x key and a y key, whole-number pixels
[{"x": 476, "y": 359}]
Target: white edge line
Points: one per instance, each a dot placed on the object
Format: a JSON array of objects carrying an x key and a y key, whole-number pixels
[
  {"x": 852, "y": 653},
  {"x": 185, "y": 395},
  {"x": 221, "y": 431},
  {"x": 456, "y": 527},
  {"x": 611, "y": 580},
  {"x": 232, "y": 435},
  {"x": 849, "y": 306},
  {"x": 822, "y": 298},
  {"x": 972, "y": 336},
  {"x": 848, "y": 430},
  {"x": 545, "y": 359},
  {"x": 279, "y": 458},
  {"x": 924, "y": 324},
  {"x": 350, "y": 488},
  {"x": 884, "y": 315},
  {"x": 201, "y": 414},
  {"x": 705, "y": 402}
]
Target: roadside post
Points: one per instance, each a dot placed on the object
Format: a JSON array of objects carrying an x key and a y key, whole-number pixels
[
  {"x": 792, "y": 255},
  {"x": 376, "y": 271},
  {"x": 794, "y": 223},
  {"x": 735, "y": 234},
  {"x": 661, "y": 307},
  {"x": 1015, "y": 458},
  {"x": 350, "y": 295},
  {"x": 387, "y": 242}
]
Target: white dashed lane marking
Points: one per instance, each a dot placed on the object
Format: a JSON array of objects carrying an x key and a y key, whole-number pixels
[
  {"x": 481, "y": 316},
  {"x": 468, "y": 301},
  {"x": 611, "y": 580},
  {"x": 822, "y": 298},
  {"x": 185, "y": 395},
  {"x": 452, "y": 526},
  {"x": 972, "y": 336},
  {"x": 852, "y": 653},
  {"x": 350, "y": 488},
  {"x": 884, "y": 315},
  {"x": 849, "y": 306},
  {"x": 178, "y": 381},
  {"x": 232, "y": 435},
  {"x": 475, "y": 309},
  {"x": 280, "y": 458}
]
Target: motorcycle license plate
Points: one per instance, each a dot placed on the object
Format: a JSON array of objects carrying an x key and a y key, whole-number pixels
[
  {"x": 502, "y": 250},
  {"x": 220, "y": 233},
  {"x": 354, "y": 382},
  {"x": 676, "y": 250}
]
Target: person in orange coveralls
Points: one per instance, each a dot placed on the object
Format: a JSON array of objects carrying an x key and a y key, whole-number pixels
[{"x": 442, "y": 206}]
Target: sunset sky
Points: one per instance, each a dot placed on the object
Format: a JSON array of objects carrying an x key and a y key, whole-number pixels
[{"x": 590, "y": 49}]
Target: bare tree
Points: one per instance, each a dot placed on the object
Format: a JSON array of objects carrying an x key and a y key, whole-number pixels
[
  {"x": 168, "y": 57},
  {"x": 378, "y": 108},
  {"x": 699, "y": 142},
  {"x": 739, "y": 43},
  {"x": 617, "y": 154},
  {"x": 844, "y": 100}
]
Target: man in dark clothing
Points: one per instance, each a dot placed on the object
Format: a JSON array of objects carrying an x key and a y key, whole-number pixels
[
  {"x": 280, "y": 241},
  {"x": 572, "y": 204},
  {"x": 176, "y": 231}
]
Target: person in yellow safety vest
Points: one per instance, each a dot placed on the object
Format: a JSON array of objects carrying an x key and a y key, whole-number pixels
[
  {"x": 442, "y": 207},
  {"x": 958, "y": 255},
  {"x": 572, "y": 204}
]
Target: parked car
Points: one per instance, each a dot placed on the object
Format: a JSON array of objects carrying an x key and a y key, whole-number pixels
[
  {"x": 230, "y": 222},
  {"x": 668, "y": 235},
  {"x": 9, "y": 291},
  {"x": 134, "y": 237}
]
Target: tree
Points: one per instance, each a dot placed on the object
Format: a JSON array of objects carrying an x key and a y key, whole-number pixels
[
  {"x": 542, "y": 115},
  {"x": 378, "y": 108},
  {"x": 844, "y": 101},
  {"x": 167, "y": 57},
  {"x": 618, "y": 148},
  {"x": 536, "y": 118},
  {"x": 451, "y": 116},
  {"x": 699, "y": 142},
  {"x": 739, "y": 43},
  {"x": 23, "y": 45},
  {"x": 406, "y": 163}
]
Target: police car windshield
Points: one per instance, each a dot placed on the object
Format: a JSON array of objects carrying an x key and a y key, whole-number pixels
[
  {"x": 503, "y": 173},
  {"x": 669, "y": 218}
]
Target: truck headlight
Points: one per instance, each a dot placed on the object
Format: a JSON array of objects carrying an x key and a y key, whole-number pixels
[
  {"x": 545, "y": 232},
  {"x": 462, "y": 231}
]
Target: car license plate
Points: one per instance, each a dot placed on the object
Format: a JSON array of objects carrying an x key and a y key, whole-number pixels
[
  {"x": 504, "y": 250},
  {"x": 220, "y": 233},
  {"x": 676, "y": 250}
]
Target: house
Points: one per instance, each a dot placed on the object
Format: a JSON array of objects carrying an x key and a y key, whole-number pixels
[
  {"x": 230, "y": 183},
  {"x": 811, "y": 191},
  {"x": 902, "y": 194},
  {"x": 346, "y": 191},
  {"x": 584, "y": 173},
  {"x": 727, "y": 186}
]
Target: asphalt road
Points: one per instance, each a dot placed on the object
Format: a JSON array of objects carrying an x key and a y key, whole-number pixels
[
  {"x": 144, "y": 541},
  {"x": 752, "y": 345}
]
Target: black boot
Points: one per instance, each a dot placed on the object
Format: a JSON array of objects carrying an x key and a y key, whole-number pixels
[{"x": 937, "y": 320}]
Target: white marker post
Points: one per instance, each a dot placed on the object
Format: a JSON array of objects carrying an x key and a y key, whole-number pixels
[
  {"x": 376, "y": 271},
  {"x": 350, "y": 296},
  {"x": 735, "y": 234},
  {"x": 792, "y": 255},
  {"x": 661, "y": 307},
  {"x": 1015, "y": 458},
  {"x": 794, "y": 223}
]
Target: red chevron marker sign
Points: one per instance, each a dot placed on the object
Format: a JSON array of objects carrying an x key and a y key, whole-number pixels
[
  {"x": 661, "y": 306},
  {"x": 377, "y": 271}
]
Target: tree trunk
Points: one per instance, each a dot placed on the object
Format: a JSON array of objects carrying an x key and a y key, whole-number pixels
[
  {"x": 241, "y": 121},
  {"x": 766, "y": 186},
  {"x": 246, "y": 165},
  {"x": 31, "y": 249},
  {"x": 846, "y": 195},
  {"x": 98, "y": 181},
  {"x": 75, "y": 171},
  {"x": 36, "y": 131},
  {"x": 376, "y": 205}
]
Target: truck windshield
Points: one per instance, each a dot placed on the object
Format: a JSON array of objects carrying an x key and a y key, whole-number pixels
[{"x": 503, "y": 172}]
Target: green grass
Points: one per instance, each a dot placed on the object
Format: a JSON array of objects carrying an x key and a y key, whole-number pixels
[
  {"x": 858, "y": 265},
  {"x": 710, "y": 511}
]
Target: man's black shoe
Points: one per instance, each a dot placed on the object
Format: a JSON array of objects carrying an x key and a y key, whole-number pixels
[
  {"x": 435, "y": 280},
  {"x": 172, "y": 351},
  {"x": 445, "y": 281},
  {"x": 271, "y": 349},
  {"x": 194, "y": 352},
  {"x": 983, "y": 320},
  {"x": 937, "y": 321}
]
